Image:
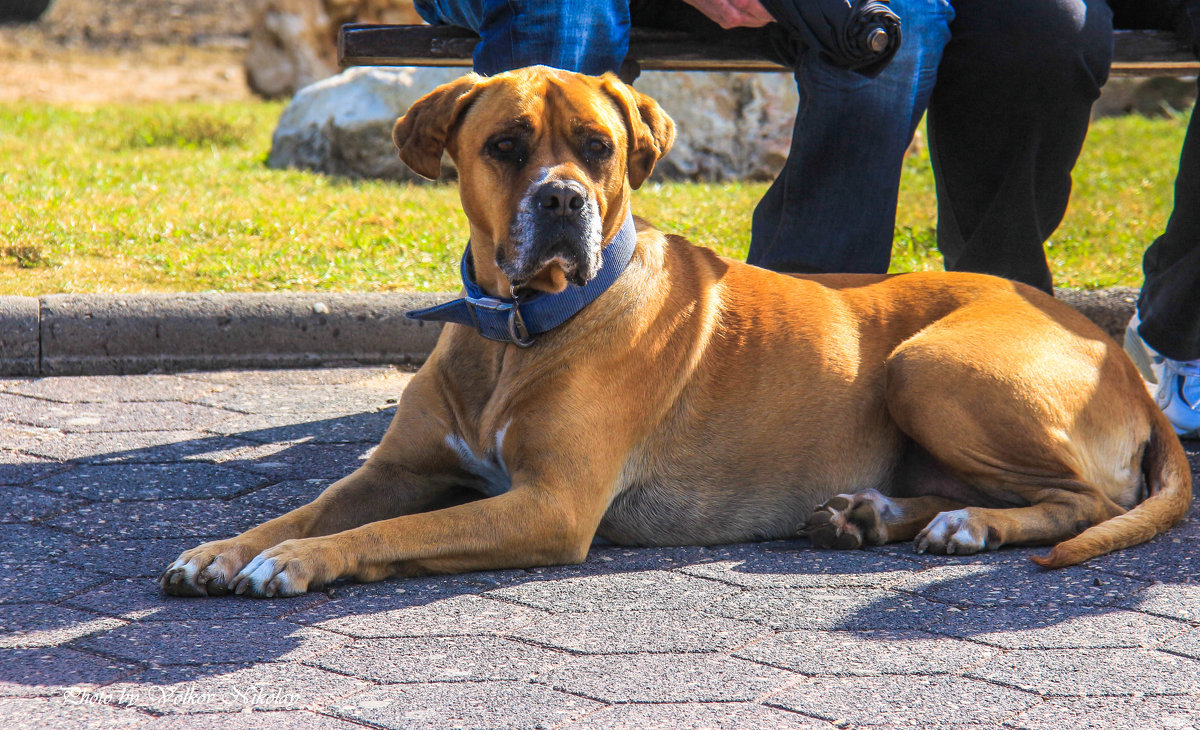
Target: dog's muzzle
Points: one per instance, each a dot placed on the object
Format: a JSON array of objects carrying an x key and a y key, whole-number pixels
[{"x": 558, "y": 222}]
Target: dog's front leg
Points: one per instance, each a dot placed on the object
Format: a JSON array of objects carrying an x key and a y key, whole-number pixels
[
  {"x": 534, "y": 524},
  {"x": 373, "y": 491},
  {"x": 411, "y": 471}
]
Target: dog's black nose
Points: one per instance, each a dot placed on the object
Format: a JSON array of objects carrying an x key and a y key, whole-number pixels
[{"x": 561, "y": 197}]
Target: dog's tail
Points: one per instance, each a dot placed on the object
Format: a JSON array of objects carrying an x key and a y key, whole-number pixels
[{"x": 1169, "y": 483}]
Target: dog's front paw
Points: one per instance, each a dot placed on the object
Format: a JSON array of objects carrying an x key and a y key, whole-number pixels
[
  {"x": 206, "y": 570},
  {"x": 288, "y": 569},
  {"x": 956, "y": 533},
  {"x": 848, "y": 521}
]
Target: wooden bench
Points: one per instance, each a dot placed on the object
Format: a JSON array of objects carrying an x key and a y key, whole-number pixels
[{"x": 1137, "y": 52}]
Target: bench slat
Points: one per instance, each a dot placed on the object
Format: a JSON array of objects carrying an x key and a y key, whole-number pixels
[{"x": 1137, "y": 52}]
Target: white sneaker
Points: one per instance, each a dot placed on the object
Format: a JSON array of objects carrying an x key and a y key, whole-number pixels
[
  {"x": 1178, "y": 391},
  {"x": 1149, "y": 362}
]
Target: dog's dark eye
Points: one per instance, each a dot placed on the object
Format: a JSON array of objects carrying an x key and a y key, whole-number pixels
[
  {"x": 597, "y": 149},
  {"x": 507, "y": 149}
]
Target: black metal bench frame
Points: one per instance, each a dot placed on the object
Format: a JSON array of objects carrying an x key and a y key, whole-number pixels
[{"x": 1136, "y": 53}]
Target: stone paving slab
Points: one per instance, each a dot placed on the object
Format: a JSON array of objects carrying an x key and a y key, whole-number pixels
[
  {"x": 1040, "y": 627},
  {"x": 786, "y": 568},
  {"x": 1103, "y": 713},
  {"x": 866, "y": 653},
  {"x": 1073, "y": 673},
  {"x": 106, "y": 479},
  {"x": 360, "y": 428},
  {"x": 439, "y": 659},
  {"x": 605, "y": 591},
  {"x": 179, "y": 518},
  {"x": 140, "y": 482},
  {"x": 66, "y": 450},
  {"x": 113, "y": 389},
  {"x": 137, "y": 558},
  {"x": 632, "y": 632},
  {"x": 438, "y": 705},
  {"x": 446, "y": 615},
  {"x": 29, "y": 625},
  {"x": 138, "y": 600},
  {"x": 696, "y": 716},
  {"x": 924, "y": 701},
  {"x": 212, "y": 641},
  {"x": 264, "y": 686},
  {"x": 32, "y": 546},
  {"x": 831, "y": 609},
  {"x": 666, "y": 678},
  {"x": 20, "y": 469},
  {"x": 28, "y": 584},
  {"x": 28, "y": 712},
  {"x": 1019, "y": 583},
  {"x": 30, "y": 505},
  {"x": 87, "y": 417},
  {"x": 55, "y": 670}
]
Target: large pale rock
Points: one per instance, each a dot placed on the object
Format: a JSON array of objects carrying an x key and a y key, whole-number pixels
[
  {"x": 343, "y": 125},
  {"x": 294, "y": 42},
  {"x": 1150, "y": 97},
  {"x": 730, "y": 126}
]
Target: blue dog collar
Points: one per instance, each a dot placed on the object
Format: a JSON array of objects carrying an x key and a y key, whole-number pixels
[{"x": 519, "y": 321}]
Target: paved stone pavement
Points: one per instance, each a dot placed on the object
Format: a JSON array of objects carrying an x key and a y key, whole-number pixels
[{"x": 106, "y": 479}]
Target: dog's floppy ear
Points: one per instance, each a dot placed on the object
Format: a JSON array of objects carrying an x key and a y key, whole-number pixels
[
  {"x": 651, "y": 131},
  {"x": 421, "y": 134}
]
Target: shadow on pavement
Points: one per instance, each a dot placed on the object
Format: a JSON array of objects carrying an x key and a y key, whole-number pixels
[{"x": 83, "y": 542}]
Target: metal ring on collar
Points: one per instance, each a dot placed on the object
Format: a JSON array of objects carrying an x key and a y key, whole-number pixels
[{"x": 517, "y": 332}]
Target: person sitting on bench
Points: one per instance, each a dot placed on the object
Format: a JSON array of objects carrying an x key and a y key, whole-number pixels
[
  {"x": 1163, "y": 337},
  {"x": 1008, "y": 87}
]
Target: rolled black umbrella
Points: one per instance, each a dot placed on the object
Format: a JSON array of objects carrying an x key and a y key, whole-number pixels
[{"x": 861, "y": 35}]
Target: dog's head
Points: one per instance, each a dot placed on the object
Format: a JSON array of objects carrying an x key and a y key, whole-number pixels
[{"x": 545, "y": 159}]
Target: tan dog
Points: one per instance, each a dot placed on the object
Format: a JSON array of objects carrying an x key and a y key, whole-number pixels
[{"x": 700, "y": 400}]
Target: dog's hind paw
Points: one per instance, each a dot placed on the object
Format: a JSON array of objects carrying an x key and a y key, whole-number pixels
[
  {"x": 847, "y": 522},
  {"x": 956, "y": 533}
]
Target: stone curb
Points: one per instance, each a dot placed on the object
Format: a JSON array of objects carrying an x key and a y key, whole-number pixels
[{"x": 105, "y": 334}]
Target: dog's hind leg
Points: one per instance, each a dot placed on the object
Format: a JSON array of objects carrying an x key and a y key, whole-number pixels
[
  {"x": 920, "y": 488},
  {"x": 1028, "y": 419},
  {"x": 942, "y": 519},
  {"x": 971, "y": 529}
]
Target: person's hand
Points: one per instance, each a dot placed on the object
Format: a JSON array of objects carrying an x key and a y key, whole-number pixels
[{"x": 733, "y": 13}]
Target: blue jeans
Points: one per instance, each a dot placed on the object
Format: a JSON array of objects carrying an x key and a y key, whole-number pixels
[
  {"x": 1014, "y": 85},
  {"x": 833, "y": 207},
  {"x": 589, "y": 37}
]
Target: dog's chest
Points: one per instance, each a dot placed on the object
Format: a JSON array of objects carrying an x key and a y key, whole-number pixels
[{"x": 486, "y": 465}]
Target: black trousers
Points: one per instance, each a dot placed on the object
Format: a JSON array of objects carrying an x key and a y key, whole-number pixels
[
  {"x": 1007, "y": 118},
  {"x": 1169, "y": 305},
  {"x": 1006, "y": 122}
]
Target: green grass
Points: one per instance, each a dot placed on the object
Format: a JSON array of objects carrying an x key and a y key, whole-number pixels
[{"x": 135, "y": 198}]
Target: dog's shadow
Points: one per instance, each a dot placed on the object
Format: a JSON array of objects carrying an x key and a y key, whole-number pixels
[{"x": 117, "y": 631}]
